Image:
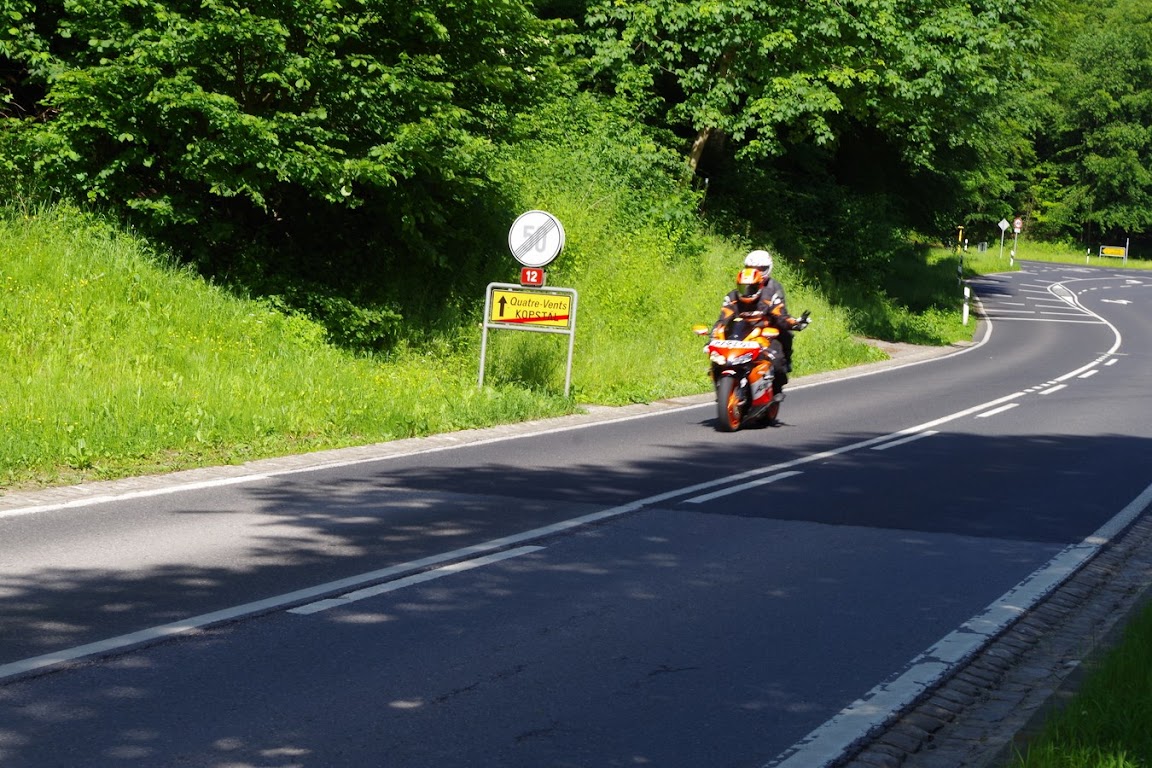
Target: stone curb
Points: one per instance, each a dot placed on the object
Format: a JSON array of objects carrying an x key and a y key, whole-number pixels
[{"x": 986, "y": 712}]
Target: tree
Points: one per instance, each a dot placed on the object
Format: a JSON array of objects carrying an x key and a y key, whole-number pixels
[
  {"x": 767, "y": 74},
  {"x": 235, "y": 116},
  {"x": 1096, "y": 150}
]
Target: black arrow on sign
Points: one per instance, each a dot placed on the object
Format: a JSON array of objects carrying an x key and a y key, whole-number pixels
[{"x": 502, "y": 302}]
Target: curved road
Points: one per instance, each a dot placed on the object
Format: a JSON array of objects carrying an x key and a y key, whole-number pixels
[{"x": 637, "y": 591}]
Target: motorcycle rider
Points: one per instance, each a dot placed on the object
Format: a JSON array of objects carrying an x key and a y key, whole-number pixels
[
  {"x": 774, "y": 294},
  {"x": 751, "y": 300}
]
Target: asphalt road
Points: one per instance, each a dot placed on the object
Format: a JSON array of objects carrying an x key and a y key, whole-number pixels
[{"x": 613, "y": 592}]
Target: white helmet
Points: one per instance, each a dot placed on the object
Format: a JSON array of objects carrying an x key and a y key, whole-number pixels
[{"x": 761, "y": 260}]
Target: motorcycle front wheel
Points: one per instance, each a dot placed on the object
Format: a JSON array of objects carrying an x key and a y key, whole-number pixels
[{"x": 728, "y": 414}]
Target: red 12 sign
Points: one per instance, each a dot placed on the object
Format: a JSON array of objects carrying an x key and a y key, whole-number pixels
[{"x": 531, "y": 276}]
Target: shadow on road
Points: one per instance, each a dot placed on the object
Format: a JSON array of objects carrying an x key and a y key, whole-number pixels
[{"x": 123, "y": 712}]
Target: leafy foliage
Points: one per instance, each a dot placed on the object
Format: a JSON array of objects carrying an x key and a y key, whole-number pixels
[
  {"x": 770, "y": 74},
  {"x": 1096, "y": 147},
  {"x": 831, "y": 126},
  {"x": 231, "y": 117},
  {"x": 338, "y": 157}
]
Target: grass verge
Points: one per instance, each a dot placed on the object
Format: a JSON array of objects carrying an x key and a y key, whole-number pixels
[
  {"x": 1108, "y": 722},
  {"x": 116, "y": 362},
  {"x": 113, "y": 362}
]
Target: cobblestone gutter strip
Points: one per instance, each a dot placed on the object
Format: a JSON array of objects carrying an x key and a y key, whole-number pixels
[{"x": 987, "y": 710}]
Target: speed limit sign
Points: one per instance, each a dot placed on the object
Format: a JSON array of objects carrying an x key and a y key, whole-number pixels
[{"x": 536, "y": 238}]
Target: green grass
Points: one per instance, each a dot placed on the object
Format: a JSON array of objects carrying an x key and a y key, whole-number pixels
[
  {"x": 1108, "y": 722},
  {"x": 113, "y": 362},
  {"x": 1064, "y": 253}
]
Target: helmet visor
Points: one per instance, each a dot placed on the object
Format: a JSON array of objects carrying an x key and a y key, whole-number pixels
[{"x": 749, "y": 283}]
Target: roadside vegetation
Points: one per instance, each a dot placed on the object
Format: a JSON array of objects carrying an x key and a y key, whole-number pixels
[
  {"x": 116, "y": 360},
  {"x": 1067, "y": 253},
  {"x": 1105, "y": 723},
  {"x": 233, "y": 230}
]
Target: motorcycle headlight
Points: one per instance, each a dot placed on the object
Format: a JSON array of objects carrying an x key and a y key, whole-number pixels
[
  {"x": 718, "y": 358},
  {"x": 745, "y": 358}
]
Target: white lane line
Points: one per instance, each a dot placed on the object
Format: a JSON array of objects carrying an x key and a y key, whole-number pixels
[
  {"x": 153, "y": 634},
  {"x": 185, "y": 626},
  {"x": 995, "y": 411},
  {"x": 1089, "y": 374},
  {"x": 1056, "y": 388},
  {"x": 419, "y": 578},
  {"x": 825, "y": 745},
  {"x": 1046, "y": 320},
  {"x": 1113, "y": 361},
  {"x": 908, "y": 439},
  {"x": 738, "y": 488},
  {"x": 286, "y": 600},
  {"x": 201, "y": 485},
  {"x": 338, "y": 463}
]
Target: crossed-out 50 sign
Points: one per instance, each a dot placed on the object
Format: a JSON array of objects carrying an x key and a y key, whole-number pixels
[{"x": 536, "y": 238}]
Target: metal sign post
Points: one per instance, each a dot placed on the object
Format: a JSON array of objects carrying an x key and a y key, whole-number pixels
[
  {"x": 960, "y": 253},
  {"x": 1017, "y": 225},
  {"x": 535, "y": 239},
  {"x": 544, "y": 310}
]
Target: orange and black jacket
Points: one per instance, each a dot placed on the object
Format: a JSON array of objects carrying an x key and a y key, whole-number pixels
[{"x": 771, "y": 305}]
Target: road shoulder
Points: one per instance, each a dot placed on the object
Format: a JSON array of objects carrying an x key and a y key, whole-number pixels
[{"x": 18, "y": 502}]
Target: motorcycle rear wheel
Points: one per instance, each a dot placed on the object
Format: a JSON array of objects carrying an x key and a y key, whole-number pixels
[{"x": 728, "y": 415}]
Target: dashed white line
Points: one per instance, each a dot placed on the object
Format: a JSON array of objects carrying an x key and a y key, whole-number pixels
[
  {"x": 407, "y": 581},
  {"x": 995, "y": 411},
  {"x": 908, "y": 439},
  {"x": 1044, "y": 320},
  {"x": 738, "y": 488}
]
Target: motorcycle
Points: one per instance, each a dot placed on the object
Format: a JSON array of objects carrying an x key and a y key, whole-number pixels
[{"x": 747, "y": 392}]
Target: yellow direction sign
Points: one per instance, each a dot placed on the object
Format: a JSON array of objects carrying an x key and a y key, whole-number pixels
[
  {"x": 530, "y": 308},
  {"x": 512, "y": 307},
  {"x": 1113, "y": 250}
]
